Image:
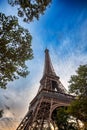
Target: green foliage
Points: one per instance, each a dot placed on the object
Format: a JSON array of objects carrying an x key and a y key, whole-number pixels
[
  {"x": 78, "y": 109},
  {"x": 15, "y": 41},
  {"x": 64, "y": 120},
  {"x": 1, "y": 113},
  {"x": 30, "y": 9},
  {"x": 78, "y": 85},
  {"x": 15, "y": 49}
]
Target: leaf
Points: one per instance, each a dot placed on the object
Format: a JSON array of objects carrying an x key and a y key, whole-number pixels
[{"x": 15, "y": 49}]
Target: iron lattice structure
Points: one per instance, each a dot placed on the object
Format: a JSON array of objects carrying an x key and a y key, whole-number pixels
[{"x": 51, "y": 94}]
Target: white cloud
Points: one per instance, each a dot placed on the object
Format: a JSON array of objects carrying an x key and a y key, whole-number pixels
[
  {"x": 23, "y": 91},
  {"x": 18, "y": 101},
  {"x": 8, "y": 124},
  {"x": 65, "y": 59},
  {"x": 66, "y": 66}
]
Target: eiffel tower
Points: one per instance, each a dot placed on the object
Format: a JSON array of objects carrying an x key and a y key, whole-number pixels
[{"x": 51, "y": 95}]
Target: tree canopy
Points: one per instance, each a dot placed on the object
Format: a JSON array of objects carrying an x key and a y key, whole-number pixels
[
  {"x": 15, "y": 49},
  {"x": 71, "y": 117},
  {"x": 78, "y": 82},
  {"x": 15, "y": 41},
  {"x": 30, "y": 9},
  {"x": 78, "y": 85},
  {"x": 64, "y": 120}
]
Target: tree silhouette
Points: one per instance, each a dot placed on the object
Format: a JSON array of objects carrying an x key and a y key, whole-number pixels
[
  {"x": 15, "y": 49},
  {"x": 15, "y": 41},
  {"x": 63, "y": 119},
  {"x": 30, "y": 9},
  {"x": 78, "y": 86}
]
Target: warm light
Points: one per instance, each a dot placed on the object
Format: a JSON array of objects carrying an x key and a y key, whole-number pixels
[{"x": 52, "y": 128}]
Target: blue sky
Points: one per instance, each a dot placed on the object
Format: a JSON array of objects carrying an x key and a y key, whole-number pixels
[{"x": 63, "y": 30}]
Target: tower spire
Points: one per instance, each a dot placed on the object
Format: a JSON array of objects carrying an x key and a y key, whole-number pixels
[
  {"x": 48, "y": 67},
  {"x": 50, "y": 80}
]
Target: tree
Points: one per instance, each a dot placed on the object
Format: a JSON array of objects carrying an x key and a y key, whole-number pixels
[
  {"x": 30, "y": 9},
  {"x": 64, "y": 120},
  {"x": 15, "y": 49},
  {"x": 78, "y": 83},
  {"x": 78, "y": 86},
  {"x": 15, "y": 41}
]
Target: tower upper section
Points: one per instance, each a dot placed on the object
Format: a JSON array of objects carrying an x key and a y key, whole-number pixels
[
  {"x": 48, "y": 67},
  {"x": 50, "y": 81}
]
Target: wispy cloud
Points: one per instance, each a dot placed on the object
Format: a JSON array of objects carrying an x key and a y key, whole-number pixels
[
  {"x": 8, "y": 124},
  {"x": 66, "y": 38}
]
